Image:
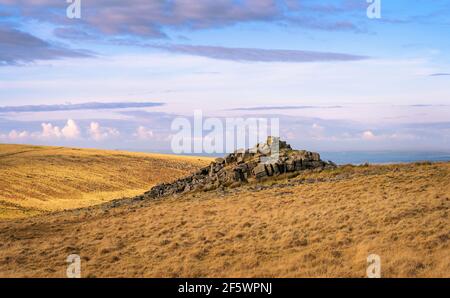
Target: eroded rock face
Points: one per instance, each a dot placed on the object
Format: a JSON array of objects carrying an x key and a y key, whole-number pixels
[{"x": 263, "y": 161}]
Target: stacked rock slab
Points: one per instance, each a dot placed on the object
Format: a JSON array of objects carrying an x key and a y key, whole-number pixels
[{"x": 269, "y": 159}]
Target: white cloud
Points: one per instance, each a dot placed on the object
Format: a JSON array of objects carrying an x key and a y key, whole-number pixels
[
  {"x": 368, "y": 135},
  {"x": 99, "y": 133},
  {"x": 69, "y": 131},
  {"x": 317, "y": 127},
  {"x": 317, "y": 131},
  {"x": 143, "y": 133},
  {"x": 15, "y": 135},
  {"x": 18, "y": 134},
  {"x": 401, "y": 136},
  {"x": 49, "y": 131}
]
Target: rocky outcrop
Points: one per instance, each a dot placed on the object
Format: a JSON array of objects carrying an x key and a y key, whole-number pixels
[{"x": 269, "y": 159}]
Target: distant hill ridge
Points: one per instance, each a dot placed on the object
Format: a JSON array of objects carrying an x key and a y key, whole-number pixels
[{"x": 265, "y": 160}]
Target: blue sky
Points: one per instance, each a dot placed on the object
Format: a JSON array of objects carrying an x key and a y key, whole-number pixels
[{"x": 336, "y": 79}]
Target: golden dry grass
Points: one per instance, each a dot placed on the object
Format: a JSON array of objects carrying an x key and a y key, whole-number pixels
[
  {"x": 314, "y": 225},
  {"x": 36, "y": 179}
]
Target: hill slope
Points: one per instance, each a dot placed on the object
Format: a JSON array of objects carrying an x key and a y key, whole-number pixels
[
  {"x": 313, "y": 225},
  {"x": 36, "y": 179}
]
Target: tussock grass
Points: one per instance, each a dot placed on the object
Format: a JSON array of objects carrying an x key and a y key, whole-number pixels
[
  {"x": 317, "y": 224},
  {"x": 35, "y": 179}
]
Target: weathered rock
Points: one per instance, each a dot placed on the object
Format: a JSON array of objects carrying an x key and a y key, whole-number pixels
[
  {"x": 220, "y": 160},
  {"x": 290, "y": 165},
  {"x": 260, "y": 171},
  {"x": 299, "y": 164},
  {"x": 275, "y": 169},
  {"x": 271, "y": 158},
  {"x": 264, "y": 149},
  {"x": 315, "y": 156},
  {"x": 230, "y": 158},
  {"x": 269, "y": 170}
]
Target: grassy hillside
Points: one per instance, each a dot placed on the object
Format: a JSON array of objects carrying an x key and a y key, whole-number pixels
[
  {"x": 36, "y": 179},
  {"x": 313, "y": 225}
]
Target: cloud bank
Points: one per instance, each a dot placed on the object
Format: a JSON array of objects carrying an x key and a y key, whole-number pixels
[
  {"x": 17, "y": 47},
  {"x": 148, "y": 134},
  {"x": 259, "y": 55},
  {"x": 149, "y": 18},
  {"x": 81, "y": 106},
  {"x": 268, "y": 108}
]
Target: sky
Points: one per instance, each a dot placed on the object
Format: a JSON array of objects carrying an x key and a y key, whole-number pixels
[{"x": 119, "y": 75}]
